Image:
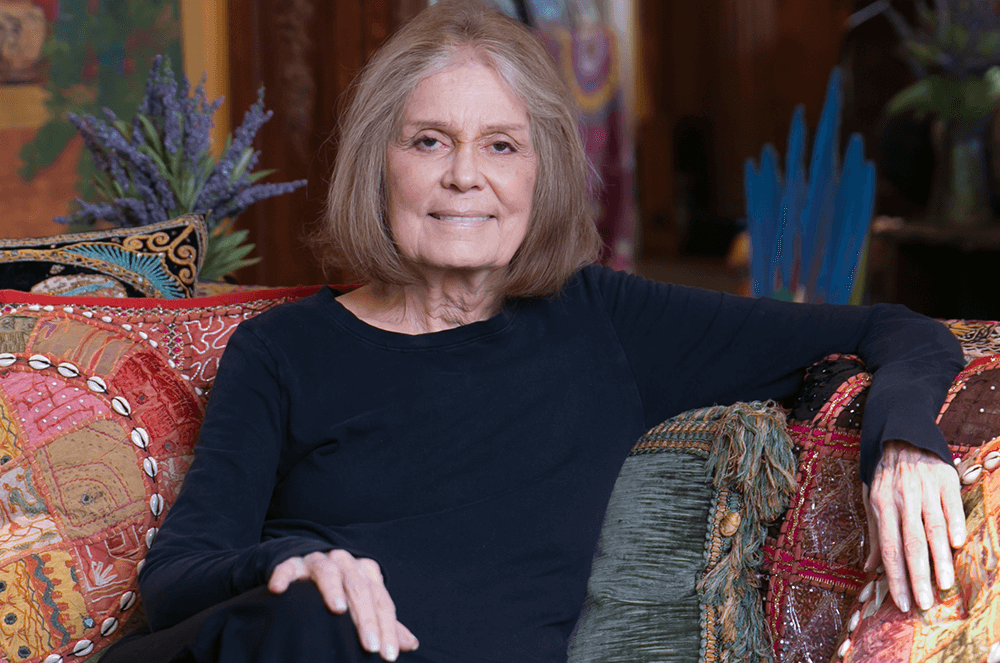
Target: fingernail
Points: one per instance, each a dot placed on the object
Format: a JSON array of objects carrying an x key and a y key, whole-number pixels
[
  {"x": 926, "y": 600},
  {"x": 373, "y": 644},
  {"x": 904, "y": 604},
  {"x": 340, "y": 605},
  {"x": 390, "y": 653},
  {"x": 947, "y": 580}
]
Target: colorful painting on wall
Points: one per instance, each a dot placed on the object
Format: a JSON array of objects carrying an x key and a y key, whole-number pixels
[{"x": 60, "y": 56}]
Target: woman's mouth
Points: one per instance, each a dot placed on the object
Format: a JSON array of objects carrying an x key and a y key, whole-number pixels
[{"x": 461, "y": 218}]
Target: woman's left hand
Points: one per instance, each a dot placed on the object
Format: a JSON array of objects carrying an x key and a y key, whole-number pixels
[{"x": 914, "y": 506}]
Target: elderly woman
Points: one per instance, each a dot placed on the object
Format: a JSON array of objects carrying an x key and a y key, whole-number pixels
[{"x": 430, "y": 455}]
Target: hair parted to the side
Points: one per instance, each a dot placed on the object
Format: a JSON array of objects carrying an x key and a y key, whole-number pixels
[{"x": 561, "y": 234}]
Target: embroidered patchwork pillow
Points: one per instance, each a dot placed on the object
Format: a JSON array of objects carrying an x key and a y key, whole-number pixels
[
  {"x": 815, "y": 560},
  {"x": 100, "y": 405},
  {"x": 964, "y": 624},
  {"x": 160, "y": 260},
  {"x": 676, "y": 574}
]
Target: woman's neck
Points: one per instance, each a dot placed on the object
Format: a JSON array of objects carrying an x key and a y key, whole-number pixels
[{"x": 431, "y": 305}]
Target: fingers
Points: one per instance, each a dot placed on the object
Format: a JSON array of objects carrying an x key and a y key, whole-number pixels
[
  {"x": 371, "y": 609},
  {"x": 407, "y": 641},
  {"x": 874, "y": 549},
  {"x": 915, "y": 545},
  {"x": 355, "y": 586},
  {"x": 891, "y": 544},
  {"x": 954, "y": 511},
  {"x": 286, "y": 573},
  {"x": 938, "y": 540},
  {"x": 917, "y": 508}
]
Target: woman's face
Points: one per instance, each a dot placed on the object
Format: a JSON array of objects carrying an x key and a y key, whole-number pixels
[{"x": 461, "y": 173}]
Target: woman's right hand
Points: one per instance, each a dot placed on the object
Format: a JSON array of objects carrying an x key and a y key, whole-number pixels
[{"x": 352, "y": 584}]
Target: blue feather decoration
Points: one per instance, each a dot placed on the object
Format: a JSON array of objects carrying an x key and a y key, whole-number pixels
[{"x": 808, "y": 231}]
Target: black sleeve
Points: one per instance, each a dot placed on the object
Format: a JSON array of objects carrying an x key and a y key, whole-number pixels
[
  {"x": 213, "y": 544},
  {"x": 691, "y": 348}
]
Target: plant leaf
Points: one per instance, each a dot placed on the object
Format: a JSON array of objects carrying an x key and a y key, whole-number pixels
[
  {"x": 152, "y": 135},
  {"x": 916, "y": 97}
]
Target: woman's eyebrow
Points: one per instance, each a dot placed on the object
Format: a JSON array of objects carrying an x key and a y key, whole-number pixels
[{"x": 489, "y": 129}]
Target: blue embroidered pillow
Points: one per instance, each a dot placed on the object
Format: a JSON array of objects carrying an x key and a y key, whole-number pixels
[{"x": 160, "y": 260}]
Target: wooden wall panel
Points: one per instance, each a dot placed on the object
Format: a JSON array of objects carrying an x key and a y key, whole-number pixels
[
  {"x": 305, "y": 53},
  {"x": 737, "y": 68}
]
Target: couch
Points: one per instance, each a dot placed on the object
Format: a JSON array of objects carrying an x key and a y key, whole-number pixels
[{"x": 758, "y": 556}]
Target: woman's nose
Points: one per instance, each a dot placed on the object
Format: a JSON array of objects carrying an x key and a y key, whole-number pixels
[{"x": 464, "y": 172}]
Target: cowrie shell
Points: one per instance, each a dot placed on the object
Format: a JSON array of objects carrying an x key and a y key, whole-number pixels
[
  {"x": 109, "y": 626},
  {"x": 49, "y": 307},
  {"x": 53, "y": 658},
  {"x": 992, "y": 460},
  {"x": 127, "y": 327},
  {"x": 866, "y": 593},
  {"x": 156, "y": 504},
  {"x": 138, "y": 567},
  {"x": 121, "y": 406},
  {"x": 97, "y": 384},
  {"x": 39, "y": 362},
  {"x": 68, "y": 370},
  {"x": 6, "y": 359},
  {"x": 150, "y": 537},
  {"x": 844, "y": 648},
  {"x": 68, "y": 309},
  {"x": 83, "y": 647},
  {"x": 143, "y": 335},
  {"x": 106, "y": 318},
  {"x": 88, "y": 314},
  {"x": 855, "y": 620},
  {"x": 972, "y": 474},
  {"x": 149, "y": 466},
  {"x": 34, "y": 307},
  {"x": 127, "y": 600},
  {"x": 140, "y": 438}
]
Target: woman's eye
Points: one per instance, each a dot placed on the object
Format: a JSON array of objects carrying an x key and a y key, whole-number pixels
[{"x": 427, "y": 142}]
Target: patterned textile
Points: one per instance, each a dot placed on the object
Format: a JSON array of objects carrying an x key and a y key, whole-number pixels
[
  {"x": 815, "y": 560},
  {"x": 979, "y": 338},
  {"x": 586, "y": 53},
  {"x": 964, "y": 624},
  {"x": 100, "y": 405},
  {"x": 676, "y": 574},
  {"x": 160, "y": 260}
]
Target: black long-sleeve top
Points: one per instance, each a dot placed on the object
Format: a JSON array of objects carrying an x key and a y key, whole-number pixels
[{"x": 475, "y": 464}]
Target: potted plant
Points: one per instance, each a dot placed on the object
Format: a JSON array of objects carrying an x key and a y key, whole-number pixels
[
  {"x": 955, "y": 52},
  {"x": 159, "y": 166}
]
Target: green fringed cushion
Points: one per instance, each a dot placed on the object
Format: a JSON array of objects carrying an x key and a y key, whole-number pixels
[{"x": 676, "y": 573}]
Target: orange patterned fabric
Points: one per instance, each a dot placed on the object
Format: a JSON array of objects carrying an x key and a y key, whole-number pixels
[
  {"x": 816, "y": 560},
  {"x": 100, "y": 405},
  {"x": 964, "y": 624}
]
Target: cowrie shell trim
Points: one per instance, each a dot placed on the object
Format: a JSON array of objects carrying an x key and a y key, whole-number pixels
[
  {"x": 121, "y": 406},
  {"x": 140, "y": 438}
]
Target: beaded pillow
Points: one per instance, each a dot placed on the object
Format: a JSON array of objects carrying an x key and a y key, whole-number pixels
[
  {"x": 160, "y": 260},
  {"x": 100, "y": 405},
  {"x": 676, "y": 573},
  {"x": 815, "y": 560},
  {"x": 963, "y": 626}
]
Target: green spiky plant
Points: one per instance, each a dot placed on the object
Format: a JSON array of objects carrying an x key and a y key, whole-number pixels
[{"x": 159, "y": 166}]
